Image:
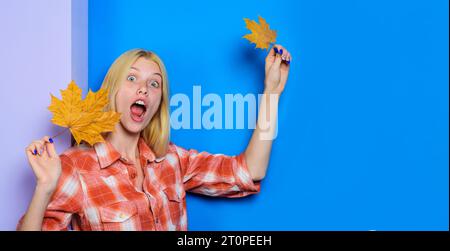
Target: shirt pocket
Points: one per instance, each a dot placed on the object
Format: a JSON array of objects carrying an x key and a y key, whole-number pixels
[
  {"x": 175, "y": 202},
  {"x": 120, "y": 216},
  {"x": 173, "y": 195}
]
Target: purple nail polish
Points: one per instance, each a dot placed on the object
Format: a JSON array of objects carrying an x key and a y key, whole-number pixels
[
  {"x": 35, "y": 152},
  {"x": 275, "y": 49},
  {"x": 281, "y": 51},
  {"x": 50, "y": 140}
]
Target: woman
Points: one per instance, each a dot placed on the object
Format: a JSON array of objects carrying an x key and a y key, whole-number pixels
[{"x": 136, "y": 179}]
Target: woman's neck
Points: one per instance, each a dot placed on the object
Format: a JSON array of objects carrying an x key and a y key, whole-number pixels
[{"x": 124, "y": 142}]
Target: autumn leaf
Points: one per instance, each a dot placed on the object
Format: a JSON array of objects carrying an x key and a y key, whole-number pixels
[
  {"x": 261, "y": 34},
  {"x": 85, "y": 118}
]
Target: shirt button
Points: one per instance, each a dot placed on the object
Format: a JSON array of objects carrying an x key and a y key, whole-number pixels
[
  {"x": 157, "y": 220},
  {"x": 133, "y": 175}
]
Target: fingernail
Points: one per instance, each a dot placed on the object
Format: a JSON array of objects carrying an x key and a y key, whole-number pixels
[
  {"x": 35, "y": 152},
  {"x": 50, "y": 140},
  {"x": 275, "y": 49},
  {"x": 281, "y": 51},
  {"x": 288, "y": 62}
]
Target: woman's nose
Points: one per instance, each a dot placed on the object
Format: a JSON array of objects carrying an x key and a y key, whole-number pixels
[{"x": 142, "y": 91}]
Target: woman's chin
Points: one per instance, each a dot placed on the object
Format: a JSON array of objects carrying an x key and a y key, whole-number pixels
[{"x": 133, "y": 127}]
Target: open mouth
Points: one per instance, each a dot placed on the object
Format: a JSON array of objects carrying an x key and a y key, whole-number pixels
[{"x": 138, "y": 110}]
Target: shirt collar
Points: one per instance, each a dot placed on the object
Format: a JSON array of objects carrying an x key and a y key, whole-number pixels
[
  {"x": 107, "y": 154},
  {"x": 145, "y": 151}
]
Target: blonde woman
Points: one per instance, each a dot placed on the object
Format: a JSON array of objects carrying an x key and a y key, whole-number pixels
[{"x": 137, "y": 179}]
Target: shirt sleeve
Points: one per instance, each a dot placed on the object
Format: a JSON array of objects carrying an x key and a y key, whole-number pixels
[
  {"x": 216, "y": 174},
  {"x": 65, "y": 201}
]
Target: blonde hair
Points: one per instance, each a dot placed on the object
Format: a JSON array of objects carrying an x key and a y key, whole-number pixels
[{"x": 156, "y": 133}]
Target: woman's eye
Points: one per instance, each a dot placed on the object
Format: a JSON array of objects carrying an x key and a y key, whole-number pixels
[
  {"x": 131, "y": 78},
  {"x": 154, "y": 84}
]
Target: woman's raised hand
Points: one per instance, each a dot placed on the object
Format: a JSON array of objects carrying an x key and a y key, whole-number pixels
[
  {"x": 277, "y": 69},
  {"x": 45, "y": 162}
]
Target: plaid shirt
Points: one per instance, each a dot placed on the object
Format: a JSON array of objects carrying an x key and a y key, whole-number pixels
[{"x": 96, "y": 191}]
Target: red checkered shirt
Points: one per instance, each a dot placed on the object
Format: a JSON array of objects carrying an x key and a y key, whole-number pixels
[{"x": 96, "y": 191}]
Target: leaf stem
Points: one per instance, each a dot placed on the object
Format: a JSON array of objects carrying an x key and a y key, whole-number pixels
[{"x": 61, "y": 132}]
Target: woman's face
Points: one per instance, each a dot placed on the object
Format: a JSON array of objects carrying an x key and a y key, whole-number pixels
[{"x": 139, "y": 95}]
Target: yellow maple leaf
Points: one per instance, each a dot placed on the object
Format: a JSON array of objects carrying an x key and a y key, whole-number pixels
[
  {"x": 85, "y": 118},
  {"x": 261, "y": 34}
]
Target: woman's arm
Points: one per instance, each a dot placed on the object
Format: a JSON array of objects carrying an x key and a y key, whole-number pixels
[
  {"x": 258, "y": 150},
  {"x": 33, "y": 218},
  {"x": 46, "y": 166}
]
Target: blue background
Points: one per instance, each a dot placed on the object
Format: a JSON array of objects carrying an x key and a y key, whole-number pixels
[{"x": 363, "y": 126}]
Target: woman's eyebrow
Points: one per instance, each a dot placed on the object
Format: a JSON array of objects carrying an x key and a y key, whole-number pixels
[{"x": 156, "y": 73}]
